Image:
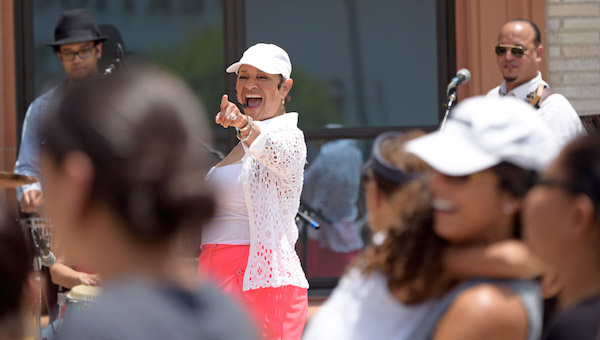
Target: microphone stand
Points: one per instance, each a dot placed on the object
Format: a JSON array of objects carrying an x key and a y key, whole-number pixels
[
  {"x": 40, "y": 260},
  {"x": 37, "y": 274},
  {"x": 450, "y": 102}
]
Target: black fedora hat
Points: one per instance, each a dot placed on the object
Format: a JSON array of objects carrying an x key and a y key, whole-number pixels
[{"x": 75, "y": 26}]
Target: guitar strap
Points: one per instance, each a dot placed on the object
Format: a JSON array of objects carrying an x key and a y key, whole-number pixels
[{"x": 540, "y": 94}]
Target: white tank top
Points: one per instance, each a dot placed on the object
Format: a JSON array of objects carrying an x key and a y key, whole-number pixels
[{"x": 231, "y": 224}]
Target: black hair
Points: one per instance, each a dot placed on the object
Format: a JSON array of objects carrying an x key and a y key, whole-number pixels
[
  {"x": 537, "y": 40},
  {"x": 517, "y": 182},
  {"x": 514, "y": 179},
  {"x": 138, "y": 128},
  {"x": 287, "y": 98}
]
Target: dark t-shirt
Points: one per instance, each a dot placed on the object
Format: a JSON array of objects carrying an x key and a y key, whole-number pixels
[
  {"x": 137, "y": 309},
  {"x": 580, "y": 322}
]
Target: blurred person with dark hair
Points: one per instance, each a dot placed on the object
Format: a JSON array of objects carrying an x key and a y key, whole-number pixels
[
  {"x": 519, "y": 53},
  {"x": 388, "y": 289},
  {"x": 249, "y": 249},
  {"x": 124, "y": 180},
  {"x": 78, "y": 46},
  {"x": 16, "y": 283},
  {"x": 562, "y": 226}
]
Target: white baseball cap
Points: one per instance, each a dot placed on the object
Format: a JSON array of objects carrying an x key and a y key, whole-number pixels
[
  {"x": 483, "y": 132},
  {"x": 268, "y": 58}
]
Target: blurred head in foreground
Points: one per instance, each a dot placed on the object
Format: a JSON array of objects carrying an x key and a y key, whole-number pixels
[
  {"x": 562, "y": 219},
  {"x": 123, "y": 171},
  {"x": 399, "y": 206}
]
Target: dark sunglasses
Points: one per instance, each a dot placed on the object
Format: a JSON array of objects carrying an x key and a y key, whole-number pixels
[
  {"x": 558, "y": 183},
  {"x": 570, "y": 187},
  {"x": 515, "y": 50}
]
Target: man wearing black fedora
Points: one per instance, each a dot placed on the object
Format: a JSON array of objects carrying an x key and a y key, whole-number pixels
[{"x": 78, "y": 46}]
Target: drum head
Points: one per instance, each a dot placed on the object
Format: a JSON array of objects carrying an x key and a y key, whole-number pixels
[{"x": 83, "y": 293}]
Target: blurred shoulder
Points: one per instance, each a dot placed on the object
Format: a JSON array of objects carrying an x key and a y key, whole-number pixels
[
  {"x": 493, "y": 311},
  {"x": 495, "y": 92}
]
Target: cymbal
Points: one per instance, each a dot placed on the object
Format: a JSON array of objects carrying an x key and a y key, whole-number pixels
[{"x": 12, "y": 180}]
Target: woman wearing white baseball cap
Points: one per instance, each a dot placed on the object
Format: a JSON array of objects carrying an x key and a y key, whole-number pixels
[
  {"x": 484, "y": 162},
  {"x": 249, "y": 249}
]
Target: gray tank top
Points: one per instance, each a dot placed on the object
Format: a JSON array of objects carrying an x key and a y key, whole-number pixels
[{"x": 527, "y": 290}]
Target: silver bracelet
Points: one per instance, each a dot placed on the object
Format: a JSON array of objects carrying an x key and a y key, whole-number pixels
[{"x": 248, "y": 125}]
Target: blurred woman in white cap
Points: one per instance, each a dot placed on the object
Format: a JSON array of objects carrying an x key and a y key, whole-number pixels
[
  {"x": 400, "y": 279},
  {"x": 484, "y": 163},
  {"x": 249, "y": 248},
  {"x": 561, "y": 221}
]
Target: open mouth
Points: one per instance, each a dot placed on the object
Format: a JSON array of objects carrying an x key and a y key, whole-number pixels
[
  {"x": 253, "y": 100},
  {"x": 441, "y": 205}
]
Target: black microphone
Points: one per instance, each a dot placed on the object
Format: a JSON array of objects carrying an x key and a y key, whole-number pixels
[
  {"x": 303, "y": 215},
  {"x": 46, "y": 255},
  {"x": 462, "y": 77}
]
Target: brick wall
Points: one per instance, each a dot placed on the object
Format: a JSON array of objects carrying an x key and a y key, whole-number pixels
[{"x": 572, "y": 45}]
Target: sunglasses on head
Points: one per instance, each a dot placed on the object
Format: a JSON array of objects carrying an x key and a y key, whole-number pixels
[{"x": 515, "y": 50}]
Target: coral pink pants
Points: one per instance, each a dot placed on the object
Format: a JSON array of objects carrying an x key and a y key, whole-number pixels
[{"x": 280, "y": 313}]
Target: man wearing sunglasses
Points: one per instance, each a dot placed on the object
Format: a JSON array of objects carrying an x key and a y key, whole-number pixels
[
  {"x": 78, "y": 46},
  {"x": 519, "y": 53}
]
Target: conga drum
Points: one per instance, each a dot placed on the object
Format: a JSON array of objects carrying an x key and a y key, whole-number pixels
[{"x": 81, "y": 296}]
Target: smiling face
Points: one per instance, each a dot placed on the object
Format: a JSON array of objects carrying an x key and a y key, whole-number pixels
[
  {"x": 517, "y": 71},
  {"x": 260, "y": 93},
  {"x": 80, "y": 67},
  {"x": 469, "y": 209}
]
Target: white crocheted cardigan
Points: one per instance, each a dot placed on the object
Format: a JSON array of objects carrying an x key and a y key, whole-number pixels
[{"x": 272, "y": 176}]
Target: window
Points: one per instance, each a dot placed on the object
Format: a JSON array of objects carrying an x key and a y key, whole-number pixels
[
  {"x": 367, "y": 65},
  {"x": 359, "y": 63}
]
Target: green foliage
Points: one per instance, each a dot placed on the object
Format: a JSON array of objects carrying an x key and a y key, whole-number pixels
[
  {"x": 312, "y": 100},
  {"x": 199, "y": 61}
]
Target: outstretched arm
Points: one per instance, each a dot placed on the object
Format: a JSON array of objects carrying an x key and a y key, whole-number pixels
[
  {"x": 65, "y": 276},
  {"x": 504, "y": 259}
]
